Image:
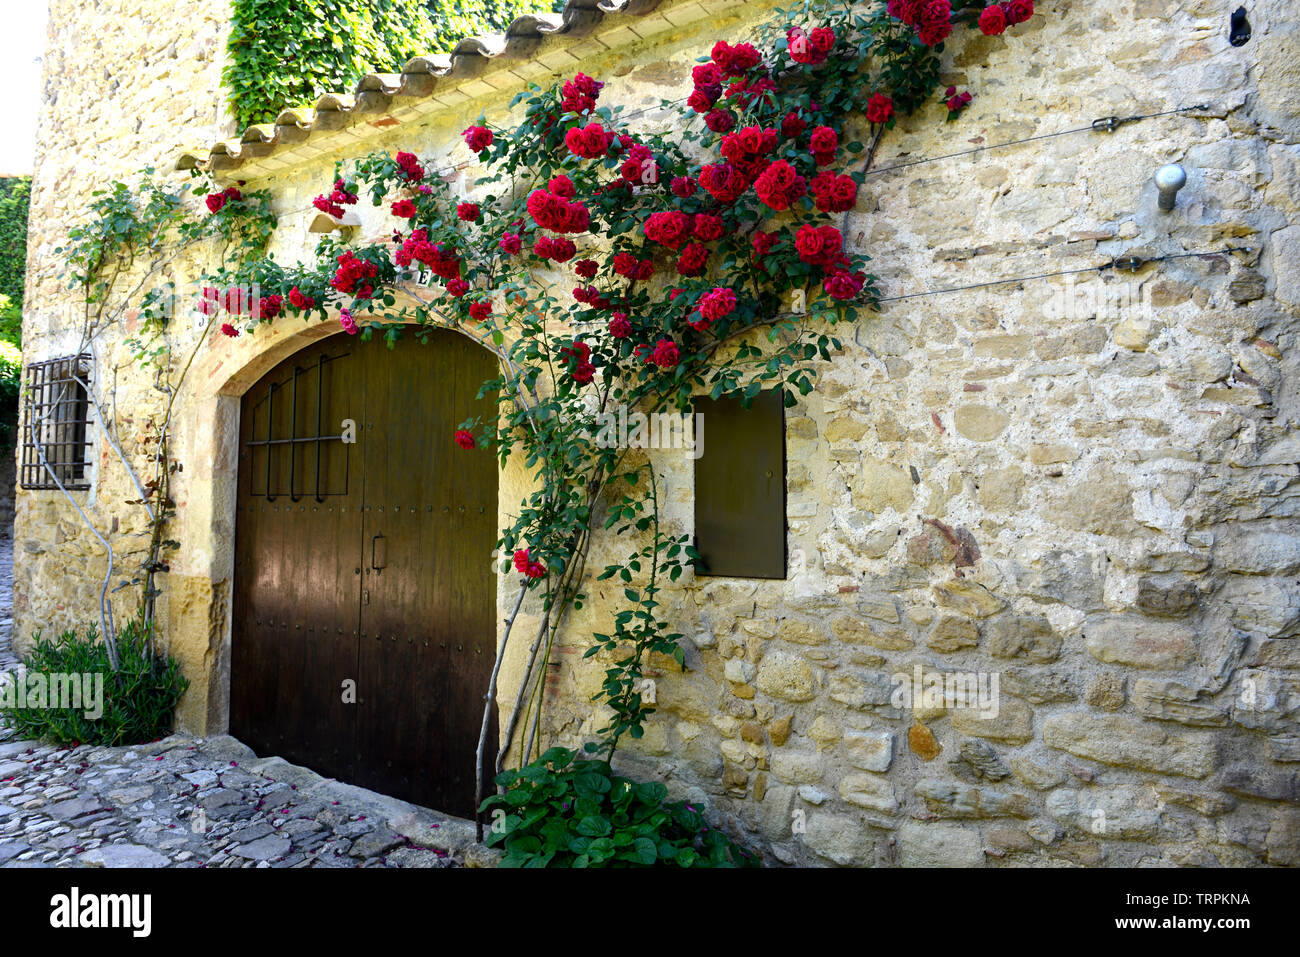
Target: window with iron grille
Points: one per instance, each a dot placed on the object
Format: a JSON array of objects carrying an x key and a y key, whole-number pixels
[{"x": 56, "y": 442}]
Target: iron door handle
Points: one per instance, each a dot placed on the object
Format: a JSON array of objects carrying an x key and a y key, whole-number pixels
[{"x": 378, "y": 552}]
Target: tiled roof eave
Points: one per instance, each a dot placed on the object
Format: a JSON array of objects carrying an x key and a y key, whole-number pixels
[{"x": 438, "y": 80}]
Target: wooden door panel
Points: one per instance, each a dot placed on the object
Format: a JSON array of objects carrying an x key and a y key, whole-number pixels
[
  {"x": 429, "y": 622},
  {"x": 297, "y": 583}
]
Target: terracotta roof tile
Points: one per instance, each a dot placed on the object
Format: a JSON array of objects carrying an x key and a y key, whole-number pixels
[{"x": 477, "y": 66}]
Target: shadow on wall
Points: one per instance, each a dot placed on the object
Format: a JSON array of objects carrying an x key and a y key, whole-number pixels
[{"x": 8, "y": 485}]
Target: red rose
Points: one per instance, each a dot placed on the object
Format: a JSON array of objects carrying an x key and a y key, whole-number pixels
[
  {"x": 580, "y": 94},
  {"x": 511, "y": 244},
  {"x": 792, "y": 124},
  {"x": 586, "y": 268},
  {"x": 467, "y": 211},
  {"x": 404, "y": 208},
  {"x": 843, "y": 285},
  {"x": 619, "y": 326},
  {"x": 810, "y": 48},
  {"x": 229, "y": 330},
  {"x": 706, "y": 74},
  {"x": 665, "y": 354},
  {"x": 700, "y": 100},
  {"x": 347, "y": 322},
  {"x": 410, "y": 167},
  {"x": 879, "y": 108},
  {"x": 300, "y": 300},
  {"x": 683, "y": 187},
  {"x": 350, "y": 276},
  {"x": 457, "y": 287},
  {"x": 576, "y": 218},
  {"x": 479, "y": 138},
  {"x": 692, "y": 260},
  {"x": 590, "y": 142},
  {"x": 747, "y": 143},
  {"x": 909, "y": 11},
  {"x": 562, "y": 186},
  {"x": 215, "y": 201},
  {"x": 707, "y": 228},
  {"x": 763, "y": 243},
  {"x": 936, "y": 22},
  {"x": 625, "y": 264},
  {"x": 733, "y": 61},
  {"x": 834, "y": 193},
  {"x": 234, "y": 301},
  {"x": 465, "y": 439},
  {"x": 324, "y": 204},
  {"x": 993, "y": 21},
  {"x": 556, "y": 250},
  {"x": 720, "y": 121},
  {"x": 818, "y": 245},
  {"x": 823, "y": 144},
  {"x": 668, "y": 228},
  {"x": 268, "y": 307},
  {"x": 723, "y": 182},
  {"x": 1018, "y": 11},
  {"x": 717, "y": 303},
  {"x": 480, "y": 310},
  {"x": 779, "y": 186}
]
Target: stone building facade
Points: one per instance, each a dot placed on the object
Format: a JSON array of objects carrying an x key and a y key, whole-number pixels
[{"x": 1083, "y": 486}]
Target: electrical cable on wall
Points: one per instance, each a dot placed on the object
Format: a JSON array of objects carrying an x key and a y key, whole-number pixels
[{"x": 1105, "y": 124}]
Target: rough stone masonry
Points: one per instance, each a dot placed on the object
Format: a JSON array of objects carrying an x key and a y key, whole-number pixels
[{"x": 1085, "y": 486}]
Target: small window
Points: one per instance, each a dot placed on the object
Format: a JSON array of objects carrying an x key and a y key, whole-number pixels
[
  {"x": 55, "y": 424},
  {"x": 740, "y": 487}
]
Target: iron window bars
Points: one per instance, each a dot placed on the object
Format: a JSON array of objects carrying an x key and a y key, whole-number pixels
[
  {"x": 56, "y": 420},
  {"x": 294, "y": 445}
]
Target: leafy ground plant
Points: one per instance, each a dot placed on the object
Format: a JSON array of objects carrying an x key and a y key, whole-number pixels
[
  {"x": 138, "y": 701},
  {"x": 564, "y": 811}
]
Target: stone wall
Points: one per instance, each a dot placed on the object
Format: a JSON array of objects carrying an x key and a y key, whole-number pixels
[
  {"x": 127, "y": 84},
  {"x": 1082, "y": 487}
]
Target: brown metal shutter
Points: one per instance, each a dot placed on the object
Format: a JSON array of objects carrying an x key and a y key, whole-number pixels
[{"x": 740, "y": 487}]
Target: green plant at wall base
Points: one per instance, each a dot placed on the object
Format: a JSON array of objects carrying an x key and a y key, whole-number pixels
[
  {"x": 564, "y": 811},
  {"x": 139, "y": 696},
  {"x": 286, "y": 53}
]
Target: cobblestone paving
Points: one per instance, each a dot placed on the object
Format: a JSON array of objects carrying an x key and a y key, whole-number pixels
[{"x": 200, "y": 802}]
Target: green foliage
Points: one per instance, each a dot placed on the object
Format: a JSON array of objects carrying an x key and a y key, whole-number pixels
[
  {"x": 123, "y": 221},
  {"x": 139, "y": 698},
  {"x": 562, "y": 811},
  {"x": 11, "y": 371},
  {"x": 286, "y": 53},
  {"x": 15, "y": 197}
]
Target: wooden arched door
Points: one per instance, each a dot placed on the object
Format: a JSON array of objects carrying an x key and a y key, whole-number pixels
[{"x": 364, "y": 623}]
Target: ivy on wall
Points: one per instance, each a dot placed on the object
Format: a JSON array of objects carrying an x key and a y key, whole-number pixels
[
  {"x": 15, "y": 195},
  {"x": 286, "y": 53}
]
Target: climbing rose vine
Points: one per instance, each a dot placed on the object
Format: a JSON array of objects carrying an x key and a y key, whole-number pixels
[{"x": 610, "y": 267}]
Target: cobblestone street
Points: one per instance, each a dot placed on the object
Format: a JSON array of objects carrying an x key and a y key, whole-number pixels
[{"x": 193, "y": 802}]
